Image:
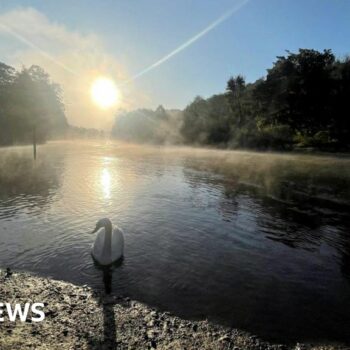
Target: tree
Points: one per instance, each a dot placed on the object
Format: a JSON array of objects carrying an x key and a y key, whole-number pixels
[
  {"x": 302, "y": 101},
  {"x": 194, "y": 121},
  {"x": 339, "y": 127},
  {"x": 235, "y": 89},
  {"x": 49, "y": 97},
  {"x": 31, "y": 106},
  {"x": 7, "y": 76},
  {"x": 147, "y": 126},
  {"x": 297, "y": 91}
]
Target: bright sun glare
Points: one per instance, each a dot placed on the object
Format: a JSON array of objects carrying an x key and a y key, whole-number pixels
[
  {"x": 104, "y": 92},
  {"x": 106, "y": 183}
]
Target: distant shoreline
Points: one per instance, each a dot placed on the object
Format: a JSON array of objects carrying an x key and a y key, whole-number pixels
[{"x": 300, "y": 151}]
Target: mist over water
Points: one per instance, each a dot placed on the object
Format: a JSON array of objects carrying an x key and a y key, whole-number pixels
[{"x": 258, "y": 241}]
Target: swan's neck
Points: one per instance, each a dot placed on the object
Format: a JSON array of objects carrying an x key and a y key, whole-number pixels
[{"x": 107, "y": 247}]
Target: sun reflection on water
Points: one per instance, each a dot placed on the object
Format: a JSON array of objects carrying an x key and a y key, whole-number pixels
[{"x": 106, "y": 183}]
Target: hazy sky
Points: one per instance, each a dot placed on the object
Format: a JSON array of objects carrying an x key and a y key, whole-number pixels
[{"x": 78, "y": 40}]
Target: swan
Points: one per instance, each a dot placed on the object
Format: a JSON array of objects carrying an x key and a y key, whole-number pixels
[{"x": 109, "y": 243}]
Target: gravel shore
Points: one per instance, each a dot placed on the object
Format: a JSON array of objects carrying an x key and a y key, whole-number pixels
[{"x": 79, "y": 318}]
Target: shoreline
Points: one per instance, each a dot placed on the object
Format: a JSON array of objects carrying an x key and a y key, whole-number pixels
[
  {"x": 77, "y": 317},
  {"x": 307, "y": 151}
]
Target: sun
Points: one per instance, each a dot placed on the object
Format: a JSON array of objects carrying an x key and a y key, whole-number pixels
[{"x": 104, "y": 92}]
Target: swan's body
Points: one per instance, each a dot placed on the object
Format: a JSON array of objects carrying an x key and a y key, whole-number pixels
[{"x": 109, "y": 244}]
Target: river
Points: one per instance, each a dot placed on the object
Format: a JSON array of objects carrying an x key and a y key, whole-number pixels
[{"x": 259, "y": 241}]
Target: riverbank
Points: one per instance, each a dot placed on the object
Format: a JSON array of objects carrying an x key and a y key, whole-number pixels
[{"x": 76, "y": 317}]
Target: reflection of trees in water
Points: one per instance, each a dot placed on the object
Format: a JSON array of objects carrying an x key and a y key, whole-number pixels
[
  {"x": 281, "y": 176},
  {"x": 202, "y": 186},
  {"x": 25, "y": 183},
  {"x": 304, "y": 223},
  {"x": 302, "y": 212}
]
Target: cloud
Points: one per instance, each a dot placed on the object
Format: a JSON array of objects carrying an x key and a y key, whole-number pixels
[
  {"x": 72, "y": 59},
  {"x": 30, "y": 22}
]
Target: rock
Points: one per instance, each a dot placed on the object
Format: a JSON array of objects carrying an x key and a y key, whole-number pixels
[
  {"x": 225, "y": 337},
  {"x": 151, "y": 334}
]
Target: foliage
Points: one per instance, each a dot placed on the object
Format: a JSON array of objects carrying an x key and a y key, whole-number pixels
[
  {"x": 147, "y": 126},
  {"x": 29, "y": 102},
  {"x": 303, "y": 101},
  {"x": 205, "y": 121}
]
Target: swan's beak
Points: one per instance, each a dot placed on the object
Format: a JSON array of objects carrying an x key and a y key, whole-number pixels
[{"x": 95, "y": 230}]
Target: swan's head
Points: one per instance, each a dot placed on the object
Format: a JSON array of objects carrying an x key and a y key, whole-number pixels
[{"x": 105, "y": 223}]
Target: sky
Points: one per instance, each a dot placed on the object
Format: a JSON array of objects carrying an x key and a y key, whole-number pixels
[{"x": 162, "y": 51}]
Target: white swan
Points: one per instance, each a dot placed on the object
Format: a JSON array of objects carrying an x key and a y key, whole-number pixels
[{"x": 109, "y": 244}]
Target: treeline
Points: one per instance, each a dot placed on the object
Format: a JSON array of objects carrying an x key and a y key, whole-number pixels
[
  {"x": 30, "y": 106},
  {"x": 78, "y": 132},
  {"x": 147, "y": 126},
  {"x": 304, "y": 101}
]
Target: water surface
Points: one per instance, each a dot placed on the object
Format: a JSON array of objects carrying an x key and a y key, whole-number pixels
[{"x": 251, "y": 240}]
